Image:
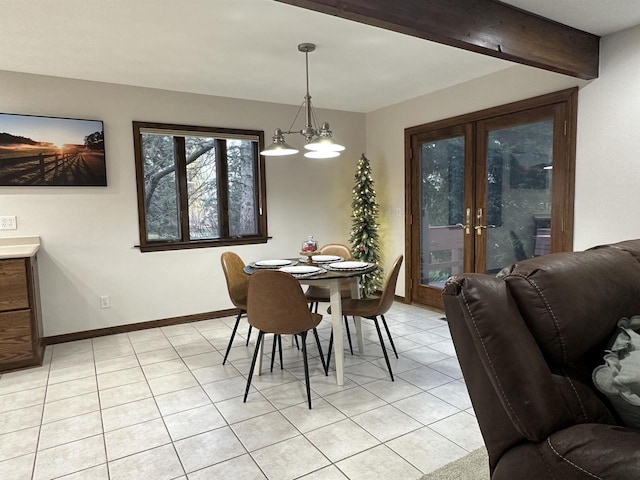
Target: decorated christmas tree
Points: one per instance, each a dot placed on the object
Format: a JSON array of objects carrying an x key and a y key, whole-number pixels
[{"x": 364, "y": 227}]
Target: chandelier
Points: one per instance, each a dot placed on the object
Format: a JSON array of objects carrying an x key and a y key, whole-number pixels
[{"x": 320, "y": 143}]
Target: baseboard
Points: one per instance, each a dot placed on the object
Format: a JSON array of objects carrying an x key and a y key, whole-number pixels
[
  {"x": 132, "y": 327},
  {"x": 164, "y": 322}
]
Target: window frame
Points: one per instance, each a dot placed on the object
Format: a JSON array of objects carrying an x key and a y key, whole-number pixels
[
  {"x": 564, "y": 105},
  {"x": 184, "y": 242}
]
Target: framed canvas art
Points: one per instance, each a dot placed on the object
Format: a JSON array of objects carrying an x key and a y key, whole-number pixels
[{"x": 51, "y": 151}]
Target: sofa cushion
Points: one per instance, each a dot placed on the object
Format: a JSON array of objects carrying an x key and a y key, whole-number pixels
[
  {"x": 505, "y": 347},
  {"x": 571, "y": 301},
  {"x": 581, "y": 452}
]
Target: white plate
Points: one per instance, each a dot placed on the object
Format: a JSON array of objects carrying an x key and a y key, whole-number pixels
[
  {"x": 325, "y": 258},
  {"x": 349, "y": 265},
  {"x": 300, "y": 269},
  {"x": 272, "y": 263}
]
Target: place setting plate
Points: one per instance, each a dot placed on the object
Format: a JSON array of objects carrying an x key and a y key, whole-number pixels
[
  {"x": 326, "y": 259},
  {"x": 273, "y": 264},
  {"x": 348, "y": 266},
  {"x": 302, "y": 270}
]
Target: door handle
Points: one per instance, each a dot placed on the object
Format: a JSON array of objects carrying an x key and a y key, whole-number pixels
[
  {"x": 467, "y": 225},
  {"x": 479, "y": 226}
]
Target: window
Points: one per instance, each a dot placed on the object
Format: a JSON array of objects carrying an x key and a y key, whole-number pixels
[{"x": 199, "y": 186}]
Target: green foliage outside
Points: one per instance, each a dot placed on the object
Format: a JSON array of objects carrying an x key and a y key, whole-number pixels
[{"x": 202, "y": 190}]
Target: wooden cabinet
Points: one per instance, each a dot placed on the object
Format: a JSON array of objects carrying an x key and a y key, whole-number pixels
[{"x": 20, "y": 318}]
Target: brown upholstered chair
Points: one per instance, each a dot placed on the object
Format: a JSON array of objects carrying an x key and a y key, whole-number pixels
[
  {"x": 372, "y": 308},
  {"x": 238, "y": 287},
  {"x": 528, "y": 341},
  {"x": 277, "y": 305},
  {"x": 317, "y": 293}
]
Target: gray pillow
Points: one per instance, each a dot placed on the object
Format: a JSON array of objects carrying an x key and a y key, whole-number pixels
[{"x": 619, "y": 377}]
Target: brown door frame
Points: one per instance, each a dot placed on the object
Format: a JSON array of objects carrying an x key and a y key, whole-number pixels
[
  {"x": 432, "y": 295},
  {"x": 563, "y": 187},
  {"x": 483, "y": 127}
]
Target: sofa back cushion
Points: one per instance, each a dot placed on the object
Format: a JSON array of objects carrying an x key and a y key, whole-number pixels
[{"x": 571, "y": 301}]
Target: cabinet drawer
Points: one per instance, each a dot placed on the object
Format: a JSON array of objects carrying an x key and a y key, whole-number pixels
[
  {"x": 14, "y": 293},
  {"x": 16, "y": 342}
]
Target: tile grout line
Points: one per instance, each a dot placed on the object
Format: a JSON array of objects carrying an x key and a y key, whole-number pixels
[
  {"x": 44, "y": 401},
  {"x": 153, "y": 396}
]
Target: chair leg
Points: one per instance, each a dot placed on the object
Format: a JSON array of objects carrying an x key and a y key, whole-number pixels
[
  {"x": 384, "y": 322},
  {"x": 233, "y": 334},
  {"x": 273, "y": 349},
  {"x": 384, "y": 350},
  {"x": 315, "y": 310},
  {"x": 303, "y": 337},
  {"x": 331, "y": 345},
  {"x": 325, "y": 366},
  {"x": 253, "y": 364},
  {"x": 297, "y": 344},
  {"x": 248, "y": 336},
  {"x": 280, "y": 348},
  {"x": 346, "y": 324}
]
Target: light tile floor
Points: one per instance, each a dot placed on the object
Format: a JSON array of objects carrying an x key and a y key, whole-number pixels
[{"x": 158, "y": 404}]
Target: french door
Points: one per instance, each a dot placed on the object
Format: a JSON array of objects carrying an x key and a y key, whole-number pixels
[{"x": 487, "y": 190}]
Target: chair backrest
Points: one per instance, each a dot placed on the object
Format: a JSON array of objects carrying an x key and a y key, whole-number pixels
[
  {"x": 277, "y": 304},
  {"x": 389, "y": 290},
  {"x": 237, "y": 280},
  {"x": 336, "y": 249}
]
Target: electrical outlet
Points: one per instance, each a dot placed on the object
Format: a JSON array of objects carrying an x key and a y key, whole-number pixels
[
  {"x": 105, "y": 301},
  {"x": 8, "y": 223}
]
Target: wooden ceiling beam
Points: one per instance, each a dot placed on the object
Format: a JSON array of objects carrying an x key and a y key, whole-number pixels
[{"x": 488, "y": 27}]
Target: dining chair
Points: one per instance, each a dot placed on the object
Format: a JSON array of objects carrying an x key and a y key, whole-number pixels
[
  {"x": 277, "y": 305},
  {"x": 372, "y": 308},
  {"x": 238, "y": 287},
  {"x": 316, "y": 294}
]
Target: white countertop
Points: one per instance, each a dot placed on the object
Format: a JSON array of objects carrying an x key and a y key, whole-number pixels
[{"x": 19, "y": 247}]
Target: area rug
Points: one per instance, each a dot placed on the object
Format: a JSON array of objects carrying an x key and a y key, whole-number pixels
[{"x": 474, "y": 466}]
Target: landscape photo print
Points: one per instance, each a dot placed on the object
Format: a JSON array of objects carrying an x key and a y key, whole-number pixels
[{"x": 51, "y": 151}]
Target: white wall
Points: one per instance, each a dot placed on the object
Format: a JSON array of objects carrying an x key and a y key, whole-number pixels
[
  {"x": 608, "y": 152},
  {"x": 88, "y": 234}
]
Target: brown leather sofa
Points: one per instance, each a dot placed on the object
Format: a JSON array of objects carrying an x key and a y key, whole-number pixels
[{"x": 528, "y": 341}]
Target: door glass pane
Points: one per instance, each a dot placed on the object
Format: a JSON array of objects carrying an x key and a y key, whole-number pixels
[
  {"x": 518, "y": 210},
  {"x": 243, "y": 218},
  {"x": 161, "y": 191},
  {"x": 442, "y": 200},
  {"x": 202, "y": 192}
]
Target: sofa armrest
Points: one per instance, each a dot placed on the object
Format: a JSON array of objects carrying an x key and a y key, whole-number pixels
[
  {"x": 510, "y": 356},
  {"x": 582, "y": 452}
]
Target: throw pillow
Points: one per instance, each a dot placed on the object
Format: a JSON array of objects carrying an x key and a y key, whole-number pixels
[{"x": 619, "y": 377}]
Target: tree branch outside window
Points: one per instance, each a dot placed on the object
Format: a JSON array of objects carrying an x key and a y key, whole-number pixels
[{"x": 199, "y": 186}]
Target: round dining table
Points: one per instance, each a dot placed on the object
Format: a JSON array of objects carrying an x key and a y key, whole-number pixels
[{"x": 332, "y": 279}]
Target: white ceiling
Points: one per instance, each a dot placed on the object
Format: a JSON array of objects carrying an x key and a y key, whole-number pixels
[
  {"x": 600, "y": 17},
  {"x": 248, "y": 48}
]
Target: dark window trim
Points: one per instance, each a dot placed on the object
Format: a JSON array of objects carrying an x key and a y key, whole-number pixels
[{"x": 183, "y": 243}]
